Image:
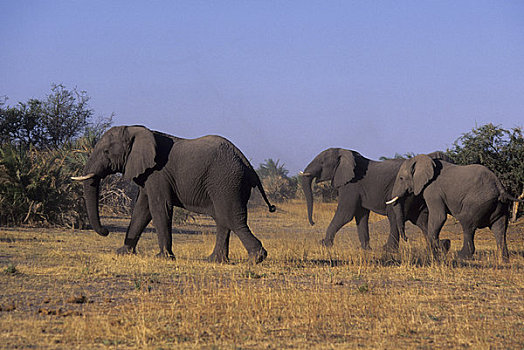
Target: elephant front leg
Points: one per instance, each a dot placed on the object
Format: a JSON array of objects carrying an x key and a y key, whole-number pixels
[
  {"x": 221, "y": 252},
  {"x": 394, "y": 235},
  {"x": 422, "y": 222},
  {"x": 362, "y": 219},
  {"x": 436, "y": 221},
  {"x": 343, "y": 215},
  {"x": 140, "y": 218}
]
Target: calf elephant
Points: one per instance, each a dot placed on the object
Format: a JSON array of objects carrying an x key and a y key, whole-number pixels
[
  {"x": 363, "y": 185},
  {"x": 471, "y": 193},
  {"x": 206, "y": 175}
]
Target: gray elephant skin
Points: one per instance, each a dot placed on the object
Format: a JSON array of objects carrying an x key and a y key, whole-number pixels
[
  {"x": 471, "y": 193},
  {"x": 207, "y": 175},
  {"x": 363, "y": 185}
]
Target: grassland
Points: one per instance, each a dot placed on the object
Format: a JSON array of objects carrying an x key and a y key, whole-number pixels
[{"x": 68, "y": 289}]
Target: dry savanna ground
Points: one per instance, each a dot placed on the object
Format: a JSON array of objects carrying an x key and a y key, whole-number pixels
[{"x": 69, "y": 290}]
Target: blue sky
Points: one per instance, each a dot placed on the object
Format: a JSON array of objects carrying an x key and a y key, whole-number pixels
[{"x": 281, "y": 79}]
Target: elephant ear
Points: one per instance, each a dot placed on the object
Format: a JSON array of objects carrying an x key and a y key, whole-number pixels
[
  {"x": 142, "y": 154},
  {"x": 423, "y": 170},
  {"x": 345, "y": 171}
]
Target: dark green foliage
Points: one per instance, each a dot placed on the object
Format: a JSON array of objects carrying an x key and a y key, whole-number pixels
[
  {"x": 500, "y": 150},
  {"x": 399, "y": 156},
  {"x": 62, "y": 117},
  {"x": 36, "y": 188},
  {"x": 42, "y": 144},
  {"x": 11, "y": 269}
]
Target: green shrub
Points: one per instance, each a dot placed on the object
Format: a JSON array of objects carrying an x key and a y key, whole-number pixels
[{"x": 36, "y": 189}]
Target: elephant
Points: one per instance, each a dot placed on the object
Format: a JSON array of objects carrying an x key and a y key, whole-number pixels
[
  {"x": 207, "y": 175},
  {"x": 470, "y": 193},
  {"x": 363, "y": 185}
]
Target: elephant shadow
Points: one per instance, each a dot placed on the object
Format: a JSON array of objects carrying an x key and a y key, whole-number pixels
[
  {"x": 394, "y": 260},
  {"x": 176, "y": 230},
  {"x": 518, "y": 253}
]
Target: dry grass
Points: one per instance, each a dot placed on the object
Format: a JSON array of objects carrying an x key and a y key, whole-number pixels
[{"x": 65, "y": 289}]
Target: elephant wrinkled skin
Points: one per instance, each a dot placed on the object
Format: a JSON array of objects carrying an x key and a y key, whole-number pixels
[
  {"x": 206, "y": 175},
  {"x": 471, "y": 193},
  {"x": 363, "y": 185}
]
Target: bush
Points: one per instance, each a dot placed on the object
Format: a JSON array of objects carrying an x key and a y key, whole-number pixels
[
  {"x": 277, "y": 185},
  {"x": 323, "y": 190},
  {"x": 37, "y": 190},
  {"x": 42, "y": 144},
  {"x": 279, "y": 188}
]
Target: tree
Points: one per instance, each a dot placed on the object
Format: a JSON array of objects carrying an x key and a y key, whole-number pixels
[
  {"x": 62, "y": 117},
  {"x": 42, "y": 144},
  {"x": 271, "y": 168},
  {"x": 399, "y": 156},
  {"x": 500, "y": 150}
]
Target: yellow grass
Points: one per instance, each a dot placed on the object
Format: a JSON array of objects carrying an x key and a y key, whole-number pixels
[{"x": 69, "y": 290}]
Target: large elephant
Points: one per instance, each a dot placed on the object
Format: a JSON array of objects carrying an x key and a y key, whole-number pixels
[
  {"x": 206, "y": 175},
  {"x": 471, "y": 193},
  {"x": 363, "y": 185}
]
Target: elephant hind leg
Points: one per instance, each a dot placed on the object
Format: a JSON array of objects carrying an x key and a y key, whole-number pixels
[
  {"x": 468, "y": 247},
  {"x": 162, "y": 214},
  {"x": 499, "y": 229},
  {"x": 233, "y": 216},
  {"x": 221, "y": 252},
  {"x": 254, "y": 247}
]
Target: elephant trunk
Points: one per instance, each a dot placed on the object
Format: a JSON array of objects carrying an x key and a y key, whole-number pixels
[
  {"x": 398, "y": 209},
  {"x": 308, "y": 193},
  {"x": 91, "y": 192}
]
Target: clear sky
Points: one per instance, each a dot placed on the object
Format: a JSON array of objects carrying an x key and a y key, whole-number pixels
[{"x": 281, "y": 79}]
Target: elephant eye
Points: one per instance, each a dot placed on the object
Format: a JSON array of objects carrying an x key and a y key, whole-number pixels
[{"x": 402, "y": 178}]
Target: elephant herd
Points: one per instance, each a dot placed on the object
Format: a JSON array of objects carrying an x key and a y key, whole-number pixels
[{"x": 210, "y": 175}]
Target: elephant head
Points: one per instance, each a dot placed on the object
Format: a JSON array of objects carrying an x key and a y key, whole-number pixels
[
  {"x": 335, "y": 164},
  {"x": 413, "y": 176},
  {"x": 130, "y": 150}
]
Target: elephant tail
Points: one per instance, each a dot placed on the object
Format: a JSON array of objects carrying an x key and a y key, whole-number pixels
[
  {"x": 271, "y": 207},
  {"x": 505, "y": 197},
  {"x": 255, "y": 180}
]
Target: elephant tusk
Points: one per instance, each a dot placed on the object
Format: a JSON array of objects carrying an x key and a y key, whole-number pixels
[
  {"x": 83, "y": 178},
  {"x": 393, "y": 200},
  {"x": 304, "y": 174}
]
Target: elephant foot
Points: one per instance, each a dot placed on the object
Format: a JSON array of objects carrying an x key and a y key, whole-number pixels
[
  {"x": 125, "y": 250},
  {"x": 328, "y": 243},
  {"x": 390, "y": 248},
  {"x": 258, "y": 256},
  {"x": 219, "y": 258},
  {"x": 165, "y": 255},
  {"x": 445, "y": 244},
  {"x": 365, "y": 246},
  {"x": 465, "y": 254}
]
